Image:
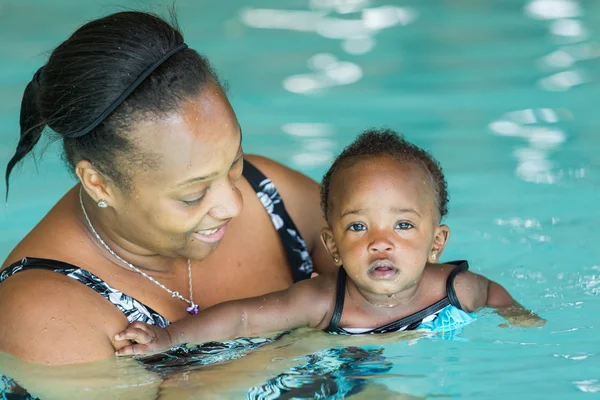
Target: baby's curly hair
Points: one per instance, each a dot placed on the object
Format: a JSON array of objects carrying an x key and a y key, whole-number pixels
[{"x": 386, "y": 142}]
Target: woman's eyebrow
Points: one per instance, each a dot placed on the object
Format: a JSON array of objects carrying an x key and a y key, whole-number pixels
[
  {"x": 211, "y": 175},
  {"x": 197, "y": 179}
]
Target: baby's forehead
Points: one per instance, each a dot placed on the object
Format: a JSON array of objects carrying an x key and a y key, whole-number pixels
[
  {"x": 376, "y": 176},
  {"x": 377, "y": 167}
]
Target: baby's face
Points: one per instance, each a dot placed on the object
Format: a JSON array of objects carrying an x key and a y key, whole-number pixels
[{"x": 384, "y": 219}]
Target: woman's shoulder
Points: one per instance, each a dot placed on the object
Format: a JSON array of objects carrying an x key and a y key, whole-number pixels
[
  {"x": 285, "y": 178},
  {"x": 300, "y": 194},
  {"x": 54, "y": 236},
  {"x": 47, "y": 317},
  {"x": 302, "y": 198}
]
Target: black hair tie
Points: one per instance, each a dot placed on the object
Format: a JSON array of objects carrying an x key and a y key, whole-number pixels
[{"x": 113, "y": 106}]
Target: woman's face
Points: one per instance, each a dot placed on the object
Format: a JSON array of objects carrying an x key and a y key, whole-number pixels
[{"x": 182, "y": 205}]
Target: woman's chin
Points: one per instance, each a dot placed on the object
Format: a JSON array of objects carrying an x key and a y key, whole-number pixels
[{"x": 197, "y": 250}]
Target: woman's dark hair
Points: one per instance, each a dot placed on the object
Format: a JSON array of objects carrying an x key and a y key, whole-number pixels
[
  {"x": 93, "y": 68},
  {"x": 385, "y": 142}
]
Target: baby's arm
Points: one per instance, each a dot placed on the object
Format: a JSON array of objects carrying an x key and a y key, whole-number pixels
[
  {"x": 303, "y": 304},
  {"x": 475, "y": 291}
]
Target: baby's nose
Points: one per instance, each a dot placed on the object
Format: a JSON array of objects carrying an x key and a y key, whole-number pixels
[{"x": 381, "y": 245}]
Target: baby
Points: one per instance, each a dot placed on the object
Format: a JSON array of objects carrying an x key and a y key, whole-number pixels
[{"x": 384, "y": 199}]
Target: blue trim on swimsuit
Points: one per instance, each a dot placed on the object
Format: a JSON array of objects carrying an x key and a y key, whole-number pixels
[{"x": 442, "y": 315}]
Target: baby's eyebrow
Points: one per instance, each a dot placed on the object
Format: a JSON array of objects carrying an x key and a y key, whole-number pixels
[
  {"x": 352, "y": 211},
  {"x": 405, "y": 210}
]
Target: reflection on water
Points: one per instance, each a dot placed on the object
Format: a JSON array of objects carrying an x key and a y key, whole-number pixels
[
  {"x": 315, "y": 148},
  {"x": 328, "y": 72},
  {"x": 588, "y": 386},
  {"x": 535, "y": 126},
  {"x": 567, "y": 56},
  {"x": 327, "y": 374},
  {"x": 568, "y": 30},
  {"x": 357, "y": 36},
  {"x": 553, "y": 9}
]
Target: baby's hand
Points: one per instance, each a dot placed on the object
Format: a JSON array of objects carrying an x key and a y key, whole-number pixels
[
  {"x": 522, "y": 318},
  {"x": 146, "y": 338}
]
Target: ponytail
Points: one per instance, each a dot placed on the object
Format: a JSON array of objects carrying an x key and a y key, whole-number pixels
[
  {"x": 32, "y": 125},
  {"x": 132, "y": 57}
]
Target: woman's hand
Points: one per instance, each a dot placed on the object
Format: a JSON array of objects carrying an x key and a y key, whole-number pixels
[{"x": 146, "y": 338}]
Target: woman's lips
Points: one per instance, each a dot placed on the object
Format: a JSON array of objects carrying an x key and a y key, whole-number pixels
[{"x": 210, "y": 235}]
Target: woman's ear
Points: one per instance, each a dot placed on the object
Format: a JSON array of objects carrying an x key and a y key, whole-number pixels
[
  {"x": 93, "y": 182},
  {"x": 327, "y": 239},
  {"x": 442, "y": 234}
]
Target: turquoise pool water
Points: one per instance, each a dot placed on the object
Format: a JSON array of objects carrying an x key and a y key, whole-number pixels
[{"x": 504, "y": 93}]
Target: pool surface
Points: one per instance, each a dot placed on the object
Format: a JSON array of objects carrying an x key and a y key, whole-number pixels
[{"x": 504, "y": 93}]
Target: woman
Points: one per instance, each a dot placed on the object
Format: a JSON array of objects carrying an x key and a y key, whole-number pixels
[{"x": 154, "y": 229}]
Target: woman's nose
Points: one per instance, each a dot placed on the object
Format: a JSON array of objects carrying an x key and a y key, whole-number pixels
[{"x": 229, "y": 202}]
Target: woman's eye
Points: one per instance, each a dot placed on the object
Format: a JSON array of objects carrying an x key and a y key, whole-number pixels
[
  {"x": 357, "y": 227},
  {"x": 404, "y": 225},
  {"x": 237, "y": 169},
  {"x": 193, "y": 201}
]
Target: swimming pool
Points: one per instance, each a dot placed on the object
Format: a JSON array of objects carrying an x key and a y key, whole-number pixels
[{"x": 502, "y": 92}]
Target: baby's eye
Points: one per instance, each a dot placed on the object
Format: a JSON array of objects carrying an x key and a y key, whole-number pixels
[
  {"x": 357, "y": 227},
  {"x": 404, "y": 226}
]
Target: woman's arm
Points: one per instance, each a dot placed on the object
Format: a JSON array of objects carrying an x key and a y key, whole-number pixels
[
  {"x": 123, "y": 379},
  {"x": 48, "y": 318},
  {"x": 304, "y": 304}
]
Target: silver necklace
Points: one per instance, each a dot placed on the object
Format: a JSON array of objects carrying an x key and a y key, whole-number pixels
[{"x": 191, "y": 309}]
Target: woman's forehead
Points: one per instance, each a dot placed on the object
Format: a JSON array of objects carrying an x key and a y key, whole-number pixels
[{"x": 201, "y": 138}]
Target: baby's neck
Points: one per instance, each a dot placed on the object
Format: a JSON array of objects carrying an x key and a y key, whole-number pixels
[{"x": 365, "y": 299}]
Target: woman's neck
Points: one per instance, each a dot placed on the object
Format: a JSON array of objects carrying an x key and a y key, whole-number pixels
[{"x": 141, "y": 258}]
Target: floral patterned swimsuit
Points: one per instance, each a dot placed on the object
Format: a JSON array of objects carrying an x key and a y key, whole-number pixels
[{"x": 295, "y": 249}]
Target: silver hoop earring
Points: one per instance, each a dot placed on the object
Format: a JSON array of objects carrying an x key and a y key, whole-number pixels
[
  {"x": 102, "y": 203},
  {"x": 433, "y": 256}
]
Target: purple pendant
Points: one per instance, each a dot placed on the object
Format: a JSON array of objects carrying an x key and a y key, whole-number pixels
[{"x": 192, "y": 310}]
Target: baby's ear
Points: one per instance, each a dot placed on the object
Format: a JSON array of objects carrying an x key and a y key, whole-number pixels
[
  {"x": 442, "y": 234},
  {"x": 327, "y": 239}
]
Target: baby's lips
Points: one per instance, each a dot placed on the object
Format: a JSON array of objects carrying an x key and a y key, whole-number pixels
[{"x": 385, "y": 263}]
